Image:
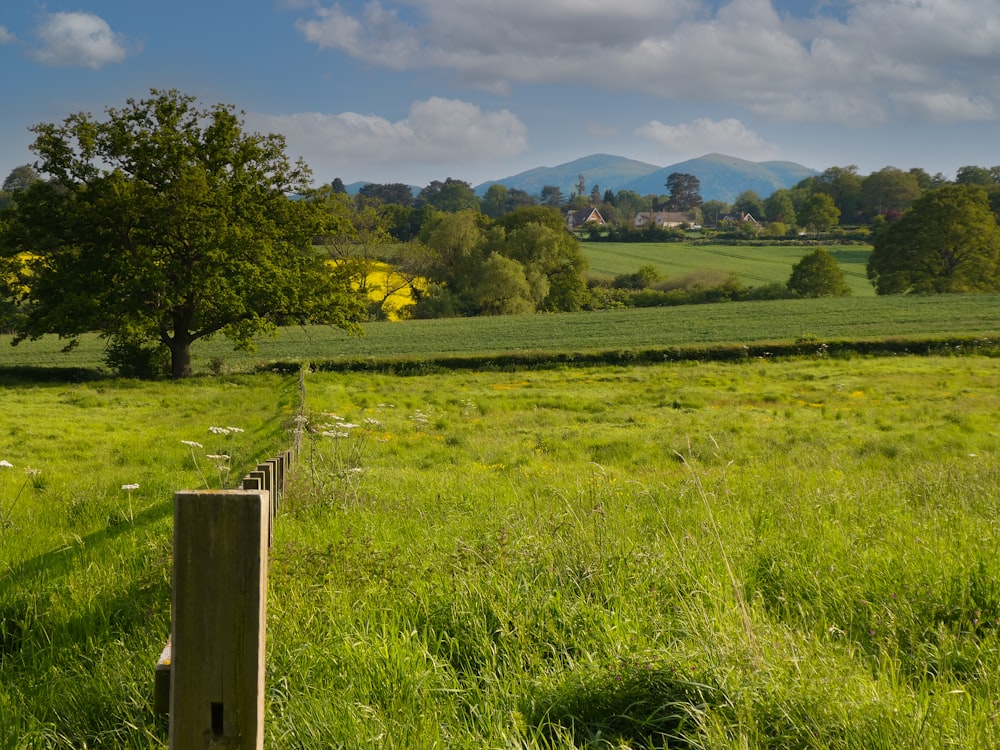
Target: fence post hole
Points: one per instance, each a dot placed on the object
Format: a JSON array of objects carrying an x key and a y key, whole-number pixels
[{"x": 219, "y": 612}]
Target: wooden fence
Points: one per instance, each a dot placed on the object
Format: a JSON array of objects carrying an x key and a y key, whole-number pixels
[{"x": 210, "y": 676}]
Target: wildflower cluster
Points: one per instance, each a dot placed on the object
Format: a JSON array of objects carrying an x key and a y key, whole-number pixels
[
  {"x": 337, "y": 450},
  {"x": 221, "y": 459},
  {"x": 420, "y": 420}
]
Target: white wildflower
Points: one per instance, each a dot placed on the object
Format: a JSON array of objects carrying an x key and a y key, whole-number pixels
[
  {"x": 5, "y": 464},
  {"x": 219, "y": 430},
  {"x": 130, "y": 487},
  {"x": 192, "y": 444},
  {"x": 236, "y": 429}
]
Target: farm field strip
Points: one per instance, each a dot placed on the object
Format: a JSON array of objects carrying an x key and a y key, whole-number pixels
[
  {"x": 754, "y": 265},
  {"x": 609, "y": 330}
]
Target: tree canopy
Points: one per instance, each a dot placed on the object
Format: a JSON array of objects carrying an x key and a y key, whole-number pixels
[
  {"x": 819, "y": 213},
  {"x": 685, "y": 191},
  {"x": 818, "y": 275},
  {"x": 948, "y": 241},
  {"x": 20, "y": 178},
  {"x": 166, "y": 223}
]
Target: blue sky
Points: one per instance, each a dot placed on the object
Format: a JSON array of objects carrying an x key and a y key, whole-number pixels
[{"x": 417, "y": 90}]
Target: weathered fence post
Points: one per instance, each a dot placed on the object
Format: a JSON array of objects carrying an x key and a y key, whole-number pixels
[{"x": 219, "y": 612}]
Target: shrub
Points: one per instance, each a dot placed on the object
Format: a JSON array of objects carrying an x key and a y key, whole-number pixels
[{"x": 128, "y": 359}]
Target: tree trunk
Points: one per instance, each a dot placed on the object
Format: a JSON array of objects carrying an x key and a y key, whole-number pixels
[{"x": 180, "y": 358}]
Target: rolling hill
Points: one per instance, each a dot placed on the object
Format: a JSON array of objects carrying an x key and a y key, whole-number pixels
[
  {"x": 604, "y": 170},
  {"x": 721, "y": 177},
  {"x": 724, "y": 177}
]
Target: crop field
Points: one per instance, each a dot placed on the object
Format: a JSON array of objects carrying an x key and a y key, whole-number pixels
[
  {"x": 742, "y": 323},
  {"x": 793, "y": 553},
  {"x": 754, "y": 266}
]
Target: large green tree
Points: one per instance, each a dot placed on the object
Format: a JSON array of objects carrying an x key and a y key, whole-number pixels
[
  {"x": 166, "y": 223},
  {"x": 537, "y": 238},
  {"x": 819, "y": 213},
  {"x": 685, "y": 191},
  {"x": 888, "y": 192},
  {"x": 451, "y": 196},
  {"x": 948, "y": 241},
  {"x": 20, "y": 178}
]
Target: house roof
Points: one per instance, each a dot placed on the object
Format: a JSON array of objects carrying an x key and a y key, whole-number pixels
[
  {"x": 666, "y": 217},
  {"x": 581, "y": 216}
]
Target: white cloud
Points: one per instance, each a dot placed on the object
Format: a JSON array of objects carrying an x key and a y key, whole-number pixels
[
  {"x": 866, "y": 63},
  {"x": 5, "y": 36},
  {"x": 703, "y": 136},
  {"x": 439, "y": 132},
  {"x": 78, "y": 39}
]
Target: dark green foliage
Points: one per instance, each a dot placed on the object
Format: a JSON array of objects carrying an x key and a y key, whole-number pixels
[
  {"x": 685, "y": 191},
  {"x": 819, "y": 213},
  {"x": 949, "y": 241},
  {"x": 21, "y": 178},
  {"x": 128, "y": 359},
  {"x": 524, "y": 262},
  {"x": 449, "y": 196},
  {"x": 167, "y": 223},
  {"x": 646, "y": 276},
  {"x": 395, "y": 193},
  {"x": 818, "y": 275}
]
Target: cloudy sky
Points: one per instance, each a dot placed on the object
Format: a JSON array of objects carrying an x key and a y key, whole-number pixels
[{"x": 417, "y": 90}]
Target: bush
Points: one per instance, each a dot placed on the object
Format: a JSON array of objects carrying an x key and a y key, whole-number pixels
[
  {"x": 128, "y": 359},
  {"x": 818, "y": 275}
]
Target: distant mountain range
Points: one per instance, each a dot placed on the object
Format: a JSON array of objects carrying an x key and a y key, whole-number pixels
[{"x": 721, "y": 177}]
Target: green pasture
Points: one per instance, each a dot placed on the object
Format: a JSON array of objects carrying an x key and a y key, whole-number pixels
[
  {"x": 737, "y": 323},
  {"x": 797, "y": 553},
  {"x": 754, "y": 266}
]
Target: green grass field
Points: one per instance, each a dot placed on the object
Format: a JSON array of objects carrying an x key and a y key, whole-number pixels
[
  {"x": 743, "y": 323},
  {"x": 754, "y": 266},
  {"x": 771, "y": 554}
]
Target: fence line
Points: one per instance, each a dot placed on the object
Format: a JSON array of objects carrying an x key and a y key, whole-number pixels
[{"x": 210, "y": 675}]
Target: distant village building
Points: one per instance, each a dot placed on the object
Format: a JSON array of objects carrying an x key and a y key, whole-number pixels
[
  {"x": 739, "y": 218},
  {"x": 662, "y": 219},
  {"x": 577, "y": 218}
]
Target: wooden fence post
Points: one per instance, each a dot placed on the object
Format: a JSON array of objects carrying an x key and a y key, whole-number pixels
[{"x": 219, "y": 612}]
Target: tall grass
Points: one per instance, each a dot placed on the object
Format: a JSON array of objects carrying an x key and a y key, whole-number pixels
[
  {"x": 772, "y": 554},
  {"x": 85, "y": 565},
  {"x": 767, "y": 555}
]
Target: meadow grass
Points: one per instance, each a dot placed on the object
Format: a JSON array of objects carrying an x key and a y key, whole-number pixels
[
  {"x": 772, "y": 554},
  {"x": 85, "y": 564},
  {"x": 754, "y": 265},
  {"x": 899, "y": 317}
]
